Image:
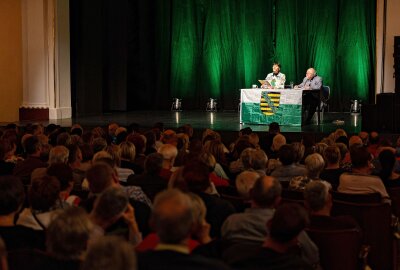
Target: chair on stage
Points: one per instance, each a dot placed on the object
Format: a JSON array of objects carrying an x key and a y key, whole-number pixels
[{"x": 338, "y": 249}]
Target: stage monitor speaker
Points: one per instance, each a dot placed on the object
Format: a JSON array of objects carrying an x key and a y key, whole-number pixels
[
  {"x": 388, "y": 111},
  {"x": 369, "y": 118}
]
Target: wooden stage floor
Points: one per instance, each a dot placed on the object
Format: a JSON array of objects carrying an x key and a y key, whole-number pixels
[{"x": 200, "y": 120}]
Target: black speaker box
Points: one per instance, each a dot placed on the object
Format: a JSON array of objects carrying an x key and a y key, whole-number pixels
[
  {"x": 388, "y": 112},
  {"x": 369, "y": 113}
]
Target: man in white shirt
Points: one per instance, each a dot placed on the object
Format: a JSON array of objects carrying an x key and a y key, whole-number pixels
[{"x": 276, "y": 79}]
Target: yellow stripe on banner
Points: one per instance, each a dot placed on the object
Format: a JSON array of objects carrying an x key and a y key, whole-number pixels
[
  {"x": 274, "y": 95},
  {"x": 276, "y": 104},
  {"x": 262, "y": 99},
  {"x": 275, "y": 99},
  {"x": 264, "y": 104},
  {"x": 266, "y": 109},
  {"x": 269, "y": 113}
]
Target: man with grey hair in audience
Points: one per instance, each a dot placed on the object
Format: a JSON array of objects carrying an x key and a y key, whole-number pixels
[
  {"x": 246, "y": 231},
  {"x": 172, "y": 220},
  {"x": 58, "y": 154},
  {"x": 318, "y": 201}
]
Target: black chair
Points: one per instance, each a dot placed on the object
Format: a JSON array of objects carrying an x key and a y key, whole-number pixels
[
  {"x": 357, "y": 198},
  {"x": 338, "y": 249},
  {"x": 325, "y": 95},
  {"x": 375, "y": 220}
]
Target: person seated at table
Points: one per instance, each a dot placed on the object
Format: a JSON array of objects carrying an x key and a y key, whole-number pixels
[
  {"x": 311, "y": 81},
  {"x": 310, "y": 100},
  {"x": 276, "y": 79}
]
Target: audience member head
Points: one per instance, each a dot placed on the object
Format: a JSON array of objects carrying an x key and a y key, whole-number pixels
[
  {"x": 110, "y": 253},
  {"x": 199, "y": 212},
  {"x": 76, "y": 129},
  {"x": 317, "y": 197},
  {"x": 121, "y": 135},
  {"x": 340, "y": 133},
  {"x": 342, "y": 139},
  {"x": 343, "y": 150},
  {"x": 374, "y": 137},
  {"x": 314, "y": 164},
  {"x": 12, "y": 195},
  {"x": 32, "y": 145},
  {"x": 360, "y": 157},
  {"x": 58, "y": 154},
  {"x": 63, "y": 139},
  {"x": 364, "y": 137},
  {"x": 245, "y": 131},
  {"x": 109, "y": 207},
  {"x": 387, "y": 159},
  {"x": 246, "y": 158},
  {"x": 68, "y": 234},
  {"x": 112, "y": 128},
  {"x": 169, "y": 153},
  {"x": 332, "y": 155},
  {"x": 287, "y": 223},
  {"x": 355, "y": 140},
  {"x": 278, "y": 141},
  {"x": 196, "y": 176},
  {"x": 274, "y": 128},
  {"x": 245, "y": 182},
  {"x": 99, "y": 144},
  {"x": 139, "y": 141},
  {"x": 266, "y": 192},
  {"x": 128, "y": 151},
  {"x": 44, "y": 193},
  {"x": 87, "y": 152},
  {"x": 169, "y": 137},
  {"x": 64, "y": 175},
  {"x": 209, "y": 160},
  {"x": 75, "y": 155},
  {"x": 217, "y": 149},
  {"x": 320, "y": 148},
  {"x": 172, "y": 217},
  {"x": 259, "y": 160},
  {"x": 153, "y": 164},
  {"x": 298, "y": 151},
  {"x": 286, "y": 154},
  {"x": 100, "y": 176}
]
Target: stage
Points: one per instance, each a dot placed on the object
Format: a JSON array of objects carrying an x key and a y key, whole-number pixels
[{"x": 200, "y": 120}]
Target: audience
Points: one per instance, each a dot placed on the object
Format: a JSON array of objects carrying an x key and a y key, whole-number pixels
[{"x": 48, "y": 231}]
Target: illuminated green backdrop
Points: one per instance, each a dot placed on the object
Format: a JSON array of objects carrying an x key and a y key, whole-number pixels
[
  {"x": 139, "y": 54},
  {"x": 220, "y": 46}
]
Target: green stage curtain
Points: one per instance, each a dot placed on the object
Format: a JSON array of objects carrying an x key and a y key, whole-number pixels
[{"x": 201, "y": 49}]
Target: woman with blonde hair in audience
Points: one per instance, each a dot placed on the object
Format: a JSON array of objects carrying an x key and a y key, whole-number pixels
[
  {"x": 314, "y": 165},
  {"x": 128, "y": 153}
]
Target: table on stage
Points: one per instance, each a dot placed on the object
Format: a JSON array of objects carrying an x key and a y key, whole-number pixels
[{"x": 264, "y": 106}]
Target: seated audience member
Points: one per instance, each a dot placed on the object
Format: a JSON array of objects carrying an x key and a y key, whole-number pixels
[
  {"x": 150, "y": 181},
  {"x": 210, "y": 161},
  {"x": 64, "y": 139},
  {"x": 140, "y": 146},
  {"x": 66, "y": 239},
  {"x": 364, "y": 137},
  {"x": 288, "y": 169},
  {"x": 332, "y": 170},
  {"x": 169, "y": 153},
  {"x": 6, "y": 167},
  {"x": 374, "y": 140},
  {"x": 277, "y": 142},
  {"x": 172, "y": 220},
  {"x": 112, "y": 129},
  {"x": 58, "y": 154},
  {"x": 111, "y": 206},
  {"x": 79, "y": 169},
  {"x": 115, "y": 154},
  {"x": 200, "y": 232},
  {"x": 314, "y": 165},
  {"x": 387, "y": 160},
  {"x": 24, "y": 168},
  {"x": 183, "y": 149},
  {"x": 354, "y": 140},
  {"x": 318, "y": 200},
  {"x": 196, "y": 177},
  {"x": 243, "y": 163},
  {"x": 99, "y": 144},
  {"x": 245, "y": 182},
  {"x": 360, "y": 180},
  {"x": 266, "y": 141},
  {"x": 280, "y": 248},
  {"x": 64, "y": 175},
  {"x": 298, "y": 151},
  {"x": 248, "y": 230},
  {"x": 128, "y": 154},
  {"x": 101, "y": 176},
  {"x": 151, "y": 142},
  {"x": 219, "y": 151},
  {"x": 110, "y": 253},
  {"x": 44, "y": 197},
  {"x": 12, "y": 196}
]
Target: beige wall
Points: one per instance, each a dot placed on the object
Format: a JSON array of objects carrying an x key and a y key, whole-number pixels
[
  {"x": 10, "y": 60},
  {"x": 392, "y": 30}
]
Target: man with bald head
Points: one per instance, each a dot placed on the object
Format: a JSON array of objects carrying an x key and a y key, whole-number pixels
[
  {"x": 173, "y": 222},
  {"x": 310, "y": 100}
]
